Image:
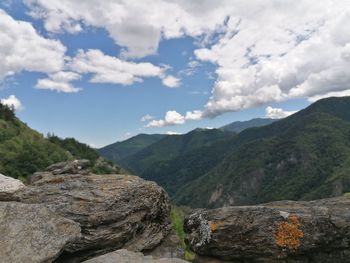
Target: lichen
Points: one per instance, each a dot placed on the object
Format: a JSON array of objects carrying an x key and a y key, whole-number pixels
[
  {"x": 214, "y": 226},
  {"x": 288, "y": 234}
]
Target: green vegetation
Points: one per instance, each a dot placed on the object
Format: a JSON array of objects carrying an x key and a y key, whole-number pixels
[
  {"x": 24, "y": 151},
  {"x": 77, "y": 149},
  {"x": 177, "y": 216},
  {"x": 305, "y": 156},
  {"x": 156, "y": 155},
  {"x": 347, "y": 195}
]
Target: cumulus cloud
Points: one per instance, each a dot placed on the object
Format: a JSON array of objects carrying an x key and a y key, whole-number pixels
[
  {"x": 23, "y": 49},
  {"x": 277, "y": 113},
  {"x": 275, "y": 52},
  {"x": 171, "y": 81},
  {"x": 156, "y": 20},
  {"x": 171, "y": 118},
  {"x": 147, "y": 117},
  {"x": 174, "y": 118},
  {"x": 60, "y": 82},
  {"x": 109, "y": 69},
  {"x": 194, "y": 115},
  {"x": 330, "y": 94},
  {"x": 264, "y": 51},
  {"x": 12, "y": 101}
]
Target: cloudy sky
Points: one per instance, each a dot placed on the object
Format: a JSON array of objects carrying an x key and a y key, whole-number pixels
[{"x": 102, "y": 71}]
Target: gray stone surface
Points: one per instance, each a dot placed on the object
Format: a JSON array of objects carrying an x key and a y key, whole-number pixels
[
  {"x": 125, "y": 256},
  {"x": 266, "y": 233},
  {"x": 32, "y": 233},
  {"x": 8, "y": 186},
  {"x": 170, "y": 247},
  {"x": 114, "y": 211}
]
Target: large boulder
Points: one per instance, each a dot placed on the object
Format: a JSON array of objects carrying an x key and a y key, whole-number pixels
[
  {"x": 32, "y": 233},
  {"x": 114, "y": 211},
  {"x": 8, "y": 186},
  {"x": 125, "y": 256},
  {"x": 285, "y": 231}
]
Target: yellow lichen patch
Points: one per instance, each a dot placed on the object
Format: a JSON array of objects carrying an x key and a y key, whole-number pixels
[
  {"x": 214, "y": 226},
  {"x": 288, "y": 234}
]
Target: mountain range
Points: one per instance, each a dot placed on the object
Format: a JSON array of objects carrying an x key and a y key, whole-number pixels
[{"x": 304, "y": 156}]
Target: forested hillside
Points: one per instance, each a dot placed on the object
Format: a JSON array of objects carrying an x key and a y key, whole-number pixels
[
  {"x": 304, "y": 156},
  {"x": 24, "y": 151}
]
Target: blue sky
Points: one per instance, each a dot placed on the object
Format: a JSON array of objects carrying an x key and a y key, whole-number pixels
[{"x": 182, "y": 76}]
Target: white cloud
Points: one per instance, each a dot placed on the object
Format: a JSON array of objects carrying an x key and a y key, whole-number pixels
[
  {"x": 191, "y": 68},
  {"x": 108, "y": 69},
  {"x": 156, "y": 20},
  {"x": 277, "y": 113},
  {"x": 59, "y": 82},
  {"x": 264, "y": 51},
  {"x": 194, "y": 115},
  {"x": 275, "y": 52},
  {"x": 174, "y": 118},
  {"x": 23, "y": 49},
  {"x": 147, "y": 117},
  {"x": 12, "y": 101},
  {"x": 330, "y": 94},
  {"x": 171, "y": 118},
  {"x": 171, "y": 81},
  {"x": 172, "y": 133}
]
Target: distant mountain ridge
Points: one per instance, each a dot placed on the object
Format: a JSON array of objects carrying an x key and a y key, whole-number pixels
[
  {"x": 120, "y": 150},
  {"x": 117, "y": 152},
  {"x": 171, "y": 147},
  {"x": 304, "y": 156},
  {"x": 239, "y": 126}
]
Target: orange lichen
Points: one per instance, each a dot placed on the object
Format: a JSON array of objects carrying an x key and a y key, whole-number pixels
[
  {"x": 214, "y": 226},
  {"x": 288, "y": 234}
]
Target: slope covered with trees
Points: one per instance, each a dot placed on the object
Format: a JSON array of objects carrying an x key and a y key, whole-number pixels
[
  {"x": 24, "y": 151},
  {"x": 304, "y": 156},
  {"x": 170, "y": 148}
]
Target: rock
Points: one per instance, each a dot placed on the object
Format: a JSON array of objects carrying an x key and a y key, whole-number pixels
[
  {"x": 8, "y": 186},
  {"x": 69, "y": 167},
  {"x": 114, "y": 211},
  {"x": 170, "y": 247},
  {"x": 285, "y": 231},
  {"x": 125, "y": 256},
  {"x": 32, "y": 233}
]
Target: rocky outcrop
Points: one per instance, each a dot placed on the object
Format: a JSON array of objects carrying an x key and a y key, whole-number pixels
[
  {"x": 114, "y": 211},
  {"x": 8, "y": 186},
  {"x": 125, "y": 256},
  {"x": 32, "y": 233},
  {"x": 285, "y": 231}
]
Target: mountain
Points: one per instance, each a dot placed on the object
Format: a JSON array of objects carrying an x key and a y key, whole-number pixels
[
  {"x": 171, "y": 147},
  {"x": 120, "y": 150},
  {"x": 305, "y": 156},
  {"x": 239, "y": 126},
  {"x": 24, "y": 151}
]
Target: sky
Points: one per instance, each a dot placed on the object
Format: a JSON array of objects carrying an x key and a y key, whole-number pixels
[{"x": 102, "y": 71}]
